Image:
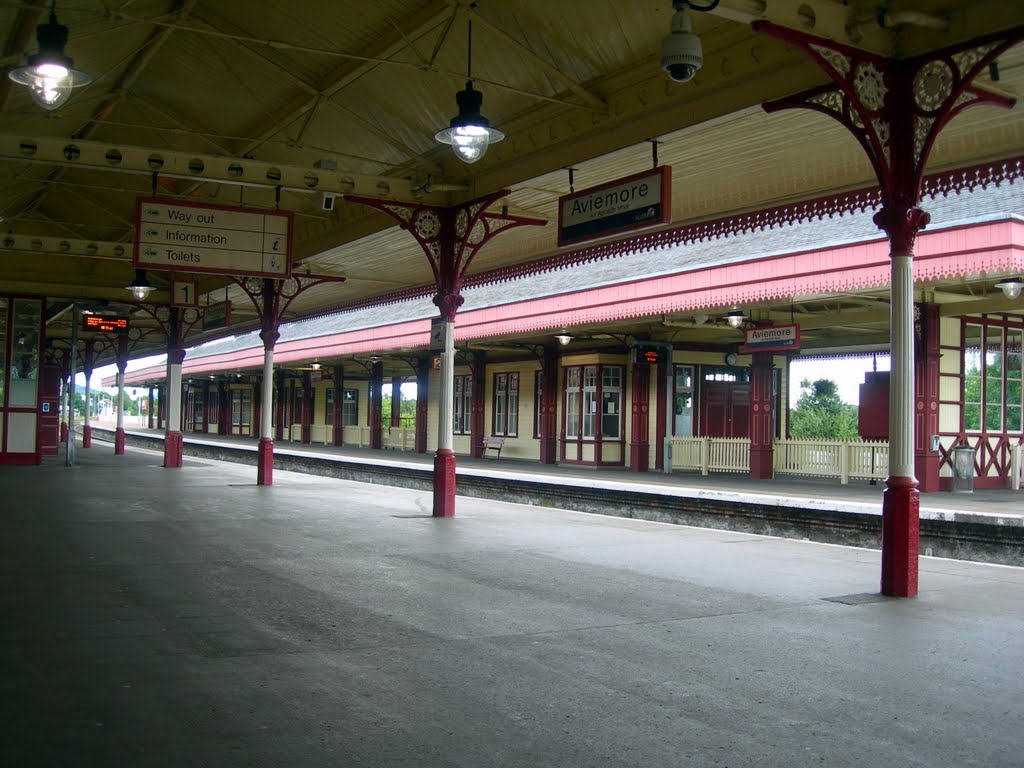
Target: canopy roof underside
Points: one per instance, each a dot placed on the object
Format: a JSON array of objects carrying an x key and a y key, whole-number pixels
[{"x": 342, "y": 96}]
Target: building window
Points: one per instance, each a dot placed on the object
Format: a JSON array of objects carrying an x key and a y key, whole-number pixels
[
  {"x": 993, "y": 372},
  {"x": 506, "y": 404},
  {"x": 299, "y": 399},
  {"x": 682, "y": 413},
  {"x": 329, "y": 405},
  {"x": 463, "y": 404},
  {"x": 573, "y": 395},
  {"x": 593, "y": 401},
  {"x": 349, "y": 408},
  {"x": 611, "y": 402},
  {"x": 241, "y": 408}
]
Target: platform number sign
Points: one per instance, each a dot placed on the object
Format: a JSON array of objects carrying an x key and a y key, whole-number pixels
[{"x": 184, "y": 293}]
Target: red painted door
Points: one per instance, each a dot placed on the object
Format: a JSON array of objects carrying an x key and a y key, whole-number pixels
[{"x": 725, "y": 409}]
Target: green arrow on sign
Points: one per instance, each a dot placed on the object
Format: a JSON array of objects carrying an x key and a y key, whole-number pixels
[
  {"x": 150, "y": 252},
  {"x": 152, "y": 233},
  {"x": 152, "y": 212}
]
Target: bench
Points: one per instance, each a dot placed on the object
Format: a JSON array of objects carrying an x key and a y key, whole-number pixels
[{"x": 493, "y": 444}]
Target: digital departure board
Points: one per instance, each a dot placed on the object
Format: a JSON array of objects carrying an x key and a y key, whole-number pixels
[{"x": 105, "y": 323}]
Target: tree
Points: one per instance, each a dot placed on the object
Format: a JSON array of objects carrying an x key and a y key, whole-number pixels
[{"x": 820, "y": 413}]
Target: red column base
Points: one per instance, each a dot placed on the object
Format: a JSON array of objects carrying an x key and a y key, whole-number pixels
[
  {"x": 265, "y": 462},
  {"x": 63, "y": 431},
  {"x": 926, "y": 469},
  {"x": 444, "y": 483},
  {"x": 639, "y": 457},
  {"x": 548, "y": 450},
  {"x": 900, "y": 506},
  {"x": 87, "y": 437},
  {"x": 761, "y": 463},
  {"x": 119, "y": 441},
  {"x": 174, "y": 449}
]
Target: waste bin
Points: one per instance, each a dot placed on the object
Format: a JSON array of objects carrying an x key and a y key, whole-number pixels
[{"x": 963, "y": 469}]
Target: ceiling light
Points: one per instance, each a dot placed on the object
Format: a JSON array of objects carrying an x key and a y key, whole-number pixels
[
  {"x": 1011, "y": 287},
  {"x": 469, "y": 133},
  {"x": 563, "y": 338},
  {"x": 49, "y": 73},
  {"x": 140, "y": 287},
  {"x": 315, "y": 366},
  {"x": 735, "y": 319}
]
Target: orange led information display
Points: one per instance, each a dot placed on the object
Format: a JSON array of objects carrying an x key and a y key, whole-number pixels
[{"x": 105, "y": 323}]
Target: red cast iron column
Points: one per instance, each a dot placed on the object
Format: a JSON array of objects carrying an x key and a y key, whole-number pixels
[
  {"x": 279, "y": 398},
  {"x": 896, "y": 110},
  {"x": 761, "y": 433},
  {"x": 926, "y": 396},
  {"x": 68, "y": 401},
  {"x": 376, "y": 405},
  {"x": 122, "y": 365},
  {"x": 477, "y": 428},
  {"x": 257, "y": 408},
  {"x": 639, "y": 446},
  {"x": 271, "y": 298},
  {"x": 87, "y": 366},
  {"x": 549, "y": 406},
  {"x": 396, "y": 401},
  {"x": 149, "y": 409},
  {"x": 307, "y": 408},
  {"x": 206, "y": 406},
  {"x": 450, "y": 238},
  {"x": 224, "y": 397},
  {"x": 422, "y": 392},
  {"x": 338, "y": 415}
]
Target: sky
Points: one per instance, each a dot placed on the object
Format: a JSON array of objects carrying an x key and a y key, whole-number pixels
[{"x": 847, "y": 373}]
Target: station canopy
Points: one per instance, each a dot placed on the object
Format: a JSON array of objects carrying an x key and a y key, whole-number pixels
[{"x": 276, "y": 106}]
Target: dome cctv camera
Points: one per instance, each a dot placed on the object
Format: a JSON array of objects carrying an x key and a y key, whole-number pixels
[{"x": 681, "y": 54}]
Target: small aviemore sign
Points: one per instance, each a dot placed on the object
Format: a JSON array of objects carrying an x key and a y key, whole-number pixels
[{"x": 636, "y": 202}]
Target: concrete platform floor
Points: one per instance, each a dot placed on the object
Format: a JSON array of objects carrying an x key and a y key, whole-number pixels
[{"x": 156, "y": 617}]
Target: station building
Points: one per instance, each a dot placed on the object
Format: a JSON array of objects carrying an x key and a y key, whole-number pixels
[{"x": 626, "y": 356}]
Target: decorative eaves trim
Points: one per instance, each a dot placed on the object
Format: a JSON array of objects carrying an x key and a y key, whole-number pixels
[{"x": 945, "y": 183}]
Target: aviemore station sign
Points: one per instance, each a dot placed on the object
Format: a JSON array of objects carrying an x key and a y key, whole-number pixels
[{"x": 636, "y": 202}]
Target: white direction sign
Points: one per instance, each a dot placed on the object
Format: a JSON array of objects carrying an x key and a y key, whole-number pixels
[{"x": 205, "y": 238}]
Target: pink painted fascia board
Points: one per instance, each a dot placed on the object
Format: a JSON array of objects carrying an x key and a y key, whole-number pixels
[
  {"x": 956, "y": 251},
  {"x": 411, "y": 334},
  {"x": 144, "y": 374},
  {"x": 971, "y": 249}
]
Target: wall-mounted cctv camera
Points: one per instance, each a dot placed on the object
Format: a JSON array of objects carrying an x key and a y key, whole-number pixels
[
  {"x": 681, "y": 53},
  {"x": 327, "y": 201}
]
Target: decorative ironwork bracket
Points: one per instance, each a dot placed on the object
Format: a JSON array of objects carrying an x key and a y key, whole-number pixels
[
  {"x": 271, "y": 298},
  {"x": 895, "y": 108},
  {"x": 450, "y": 237}
]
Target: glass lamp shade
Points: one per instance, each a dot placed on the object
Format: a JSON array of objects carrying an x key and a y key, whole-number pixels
[
  {"x": 563, "y": 338},
  {"x": 49, "y": 74},
  {"x": 1011, "y": 287},
  {"x": 735, "y": 319},
  {"x": 140, "y": 287},
  {"x": 469, "y": 133},
  {"x": 140, "y": 292}
]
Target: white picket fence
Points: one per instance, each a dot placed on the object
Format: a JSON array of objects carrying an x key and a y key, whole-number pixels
[
  {"x": 711, "y": 454},
  {"x": 843, "y": 459},
  {"x": 397, "y": 438}
]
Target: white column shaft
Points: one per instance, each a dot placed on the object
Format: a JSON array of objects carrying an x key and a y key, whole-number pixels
[
  {"x": 173, "y": 397},
  {"x": 120, "y": 400},
  {"x": 446, "y": 407},
  {"x": 267, "y": 396},
  {"x": 901, "y": 382}
]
